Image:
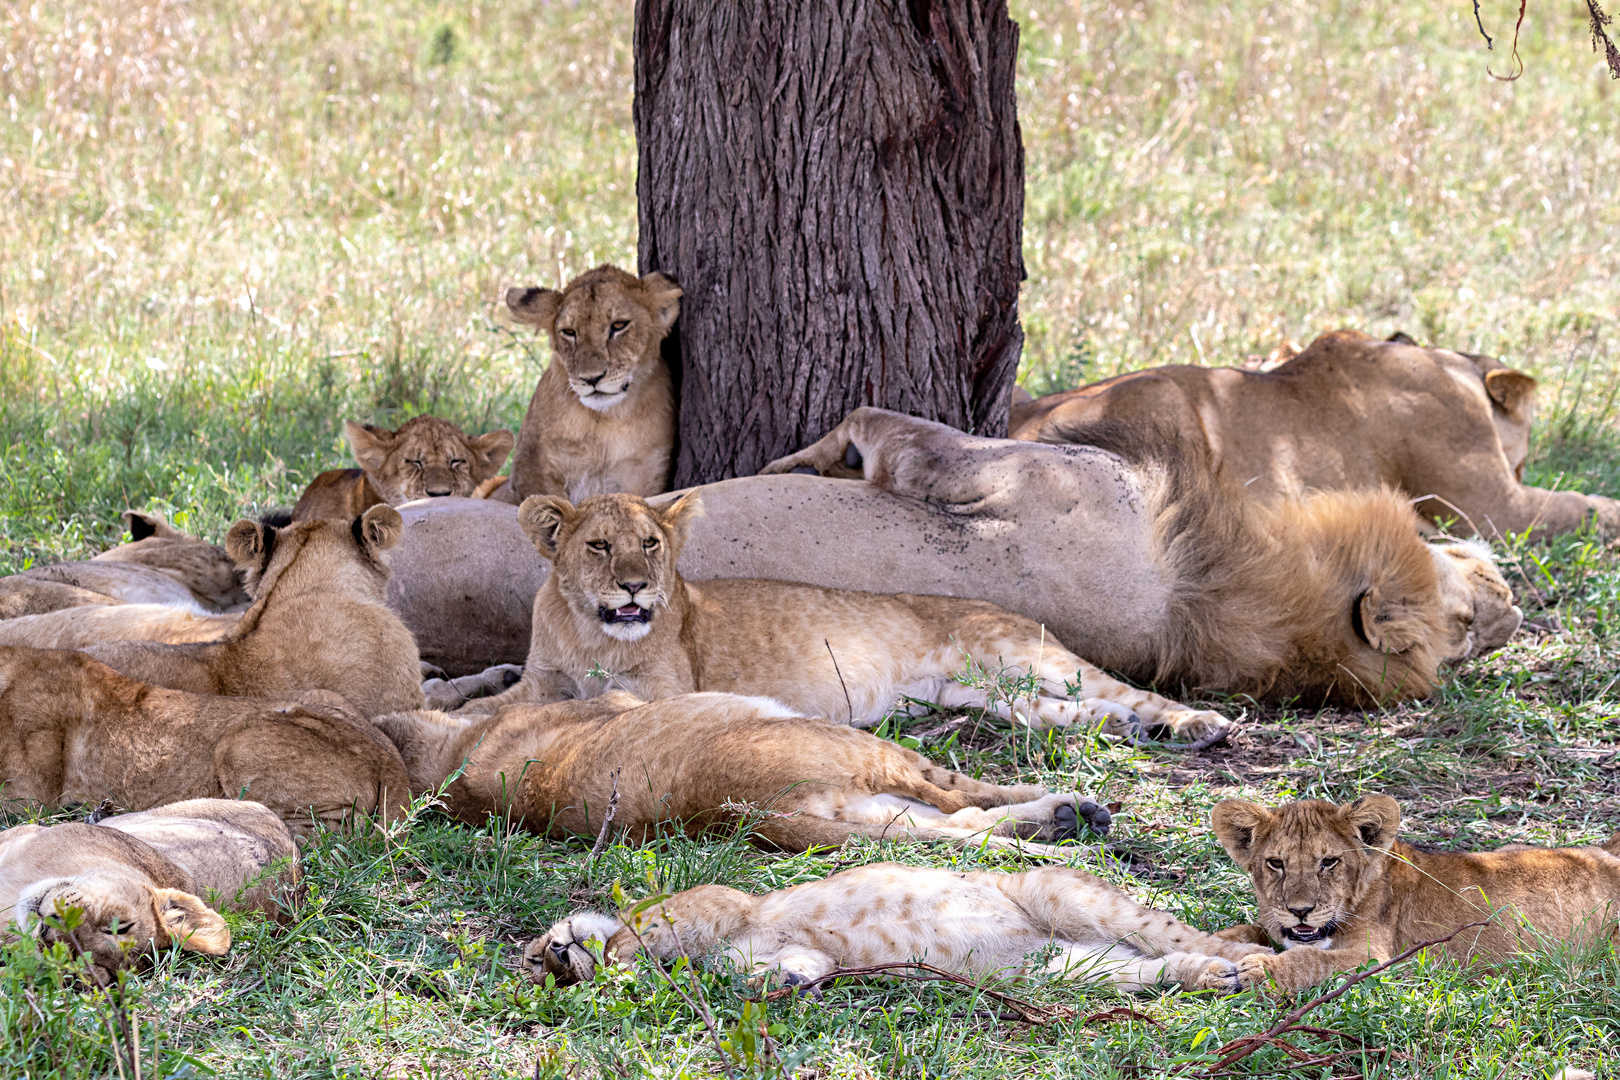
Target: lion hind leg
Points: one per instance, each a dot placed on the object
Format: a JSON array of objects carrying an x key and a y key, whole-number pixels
[{"x": 901, "y": 454}]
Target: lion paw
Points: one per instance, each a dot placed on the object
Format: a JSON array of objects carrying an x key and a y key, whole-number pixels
[
  {"x": 1069, "y": 814},
  {"x": 1252, "y": 970},
  {"x": 1220, "y": 975},
  {"x": 1202, "y": 728}
]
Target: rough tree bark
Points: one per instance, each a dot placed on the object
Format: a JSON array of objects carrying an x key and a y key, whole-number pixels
[{"x": 838, "y": 186}]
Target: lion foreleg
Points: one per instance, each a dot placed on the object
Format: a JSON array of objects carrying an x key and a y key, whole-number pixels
[
  {"x": 1131, "y": 971},
  {"x": 538, "y": 686},
  {"x": 1159, "y": 715}
]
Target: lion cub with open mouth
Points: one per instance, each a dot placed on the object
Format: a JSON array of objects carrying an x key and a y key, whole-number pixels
[
  {"x": 1336, "y": 889},
  {"x": 616, "y": 612},
  {"x": 981, "y": 923}
]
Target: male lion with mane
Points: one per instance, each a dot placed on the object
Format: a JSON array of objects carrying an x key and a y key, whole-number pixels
[
  {"x": 427, "y": 458},
  {"x": 714, "y": 761},
  {"x": 1336, "y": 889},
  {"x": 615, "y": 601}
]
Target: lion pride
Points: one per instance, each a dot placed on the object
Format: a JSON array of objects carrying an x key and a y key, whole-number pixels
[{"x": 1449, "y": 429}]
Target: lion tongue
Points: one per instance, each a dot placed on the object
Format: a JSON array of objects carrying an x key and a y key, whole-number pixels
[{"x": 629, "y": 611}]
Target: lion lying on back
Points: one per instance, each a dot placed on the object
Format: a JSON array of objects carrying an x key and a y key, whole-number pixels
[
  {"x": 1449, "y": 429},
  {"x": 616, "y": 603},
  {"x": 983, "y": 924},
  {"x": 702, "y": 760},
  {"x": 1337, "y": 889},
  {"x": 426, "y": 458}
]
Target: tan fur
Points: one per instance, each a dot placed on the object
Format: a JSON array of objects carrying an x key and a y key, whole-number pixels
[
  {"x": 602, "y": 418},
  {"x": 1450, "y": 430},
  {"x": 84, "y": 626},
  {"x": 707, "y": 761},
  {"x": 204, "y": 569},
  {"x": 146, "y": 879},
  {"x": 427, "y": 458},
  {"x": 1477, "y": 600},
  {"x": 319, "y": 621},
  {"x": 822, "y": 652},
  {"x": 1360, "y": 894},
  {"x": 23, "y": 596},
  {"x": 74, "y": 730},
  {"x": 982, "y": 924}
]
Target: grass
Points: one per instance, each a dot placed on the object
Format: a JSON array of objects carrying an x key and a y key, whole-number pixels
[{"x": 226, "y": 228}]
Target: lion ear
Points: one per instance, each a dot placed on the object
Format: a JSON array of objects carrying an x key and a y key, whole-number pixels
[
  {"x": 536, "y": 306},
  {"x": 1376, "y": 818},
  {"x": 663, "y": 299},
  {"x": 542, "y": 518},
  {"x": 144, "y": 523},
  {"x": 369, "y": 444},
  {"x": 1235, "y": 822},
  {"x": 676, "y": 519},
  {"x": 186, "y": 920},
  {"x": 493, "y": 448},
  {"x": 247, "y": 544},
  {"x": 1389, "y": 625},
  {"x": 1510, "y": 389},
  {"x": 379, "y": 528}
]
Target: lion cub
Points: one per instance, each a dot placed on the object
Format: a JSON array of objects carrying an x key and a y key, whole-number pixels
[
  {"x": 426, "y": 458},
  {"x": 146, "y": 879},
  {"x": 1336, "y": 889},
  {"x": 603, "y": 413},
  {"x": 705, "y": 760},
  {"x": 319, "y": 621},
  {"x": 981, "y": 923},
  {"x": 616, "y": 603}
]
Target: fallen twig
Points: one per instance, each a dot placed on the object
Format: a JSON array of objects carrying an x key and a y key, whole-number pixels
[
  {"x": 607, "y": 822},
  {"x": 1027, "y": 1011},
  {"x": 847, "y": 703},
  {"x": 1240, "y": 1048}
]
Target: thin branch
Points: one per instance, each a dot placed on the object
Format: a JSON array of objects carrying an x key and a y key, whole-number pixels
[
  {"x": 607, "y": 822},
  {"x": 1519, "y": 64},
  {"x": 1028, "y": 1011},
  {"x": 1238, "y": 1049},
  {"x": 1599, "y": 21},
  {"x": 701, "y": 1009},
  {"x": 1481, "y": 24},
  {"x": 847, "y": 703}
]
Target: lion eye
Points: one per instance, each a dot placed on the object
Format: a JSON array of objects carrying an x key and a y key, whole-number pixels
[
  {"x": 456, "y": 463},
  {"x": 649, "y": 543},
  {"x": 1329, "y": 863},
  {"x": 618, "y": 327},
  {"x": 598, "y": 545},
  {"x": 415, "y": 464},
  {"x": 1275, "y": 864},
  {"x": 569, "y": 334}
]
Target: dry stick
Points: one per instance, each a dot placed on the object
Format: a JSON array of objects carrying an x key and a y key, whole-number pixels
[
  {"x": 1481, "y": 24},
  {"x": 691, "y": 966},
  {"x": 847, "y": 703},
  {"x": 1029, "y": 1012},
  {"x": 1599, "y": 20},
  {"x": 1238, "y": 1049},
  {"x": 607, "y": 822}
]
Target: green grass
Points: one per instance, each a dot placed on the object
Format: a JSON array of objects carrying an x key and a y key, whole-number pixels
[{"x": 226, "y": 228}]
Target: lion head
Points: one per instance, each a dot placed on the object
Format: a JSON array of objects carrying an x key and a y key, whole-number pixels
[
  {"x": 113, "y": 915},
  {"x": 568, "y": 951},
  {"x": 612, "y": 556},
  {"x": 426, "y": 458},
  {"x": 1311, "y": 862},
  {"x": 202, "y": 567},
  {"x": 605, "y": 328},
  {"x": 330, "y": 556},
  {"x": 1476, "y": 598}
]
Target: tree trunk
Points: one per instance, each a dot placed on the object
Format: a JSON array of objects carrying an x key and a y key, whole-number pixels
[{"x": 838, "y": 186}]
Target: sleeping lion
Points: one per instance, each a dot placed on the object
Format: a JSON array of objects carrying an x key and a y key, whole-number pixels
[
  {"x": 427, "y": 458},
  {"x": 1336, "y": 889},
  {"x": 616, "y": 612},
  {"x": 139, "y": 880},
  {"x": 981, "y": 924},
  {"x": 713, "y": 761}
]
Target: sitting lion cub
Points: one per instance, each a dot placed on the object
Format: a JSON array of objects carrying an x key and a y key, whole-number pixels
[
  {"x": 704, "y": 760},
  {"x": 1337, "y": 889},
  {"x": 615, "y": 605},
  {"x": 426, "y": 458},
  {"x": 979, "y": 923},
  {"x": 603, "y": 413},
  {"x": 146, "y": 879}
]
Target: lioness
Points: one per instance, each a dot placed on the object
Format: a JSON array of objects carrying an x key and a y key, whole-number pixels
[
  {"x": 704, "y": 761},
  {"x": 603, "y": 413},
  {"x": 205, "y": 569},
  {"x": 979, "y": 923},
  {"x": 427, "y": 458},
  {"x": 616, "y": 601},
  {"x": 84, "y": 625},
  {"x": 319, "y": 621},
  {"x": 75, "y": 730},
  {"x": 1336, "y": 889},
  {"x": 1449, "y": 429},
  {"x": 146, "y": 879}
]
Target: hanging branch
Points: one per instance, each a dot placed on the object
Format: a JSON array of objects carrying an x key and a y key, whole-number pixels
[
  {"x": 1519, "y": 64},
  {"x": 1599, "y": 21},
  {"x": 1479, "y": 22}
]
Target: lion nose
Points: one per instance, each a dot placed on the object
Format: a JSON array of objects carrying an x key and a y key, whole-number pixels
[
  {"x": 592, "y": 380},
  {"x": 632, "y": 587},
  {"x": 1301, "y": 912},
  {"x": 559, "y": 950}
]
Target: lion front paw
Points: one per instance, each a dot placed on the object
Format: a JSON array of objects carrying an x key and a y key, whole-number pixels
[
  {"x": 1219, "y": 975},
  {"x": 1255, "y": 969},
  {"x": 1200, "y": 727}
]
